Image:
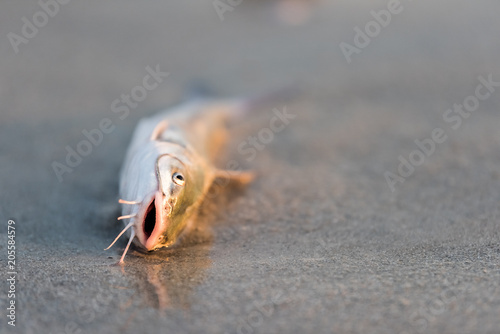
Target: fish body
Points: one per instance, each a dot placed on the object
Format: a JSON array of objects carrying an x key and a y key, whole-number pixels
[{"x": 169, "y": 168}]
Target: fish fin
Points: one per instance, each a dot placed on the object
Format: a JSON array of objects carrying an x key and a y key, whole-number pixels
[
  {"x": 240, "y": 177},
  {"x": 158, "y": 130}
]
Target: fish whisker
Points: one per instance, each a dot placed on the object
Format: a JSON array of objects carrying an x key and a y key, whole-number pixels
[
  {"x": 121, "y": 233},
  {"x": 132, "y": 235},
  {"x": 122, "y": 201},
  {"x": 127, "y": 216}
]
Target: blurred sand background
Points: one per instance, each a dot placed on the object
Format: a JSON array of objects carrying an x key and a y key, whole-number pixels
[{"x": 319, "y": 243}]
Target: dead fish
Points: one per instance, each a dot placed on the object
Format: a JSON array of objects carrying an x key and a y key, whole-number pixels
[{"x": 169, "y": 168}]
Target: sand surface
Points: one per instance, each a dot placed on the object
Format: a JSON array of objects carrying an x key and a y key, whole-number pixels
[{"x": 318, "y": 243}]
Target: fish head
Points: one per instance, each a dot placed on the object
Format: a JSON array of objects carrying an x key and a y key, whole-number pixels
[
  {"x": 165, "y": 186},
  {"x": 166, "y": 211}
]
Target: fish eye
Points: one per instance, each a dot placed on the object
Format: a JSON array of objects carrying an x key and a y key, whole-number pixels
[{"x": 178, "y": 179}]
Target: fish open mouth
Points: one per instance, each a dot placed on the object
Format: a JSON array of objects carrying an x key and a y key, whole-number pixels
[{"x": 149, "y": 220}]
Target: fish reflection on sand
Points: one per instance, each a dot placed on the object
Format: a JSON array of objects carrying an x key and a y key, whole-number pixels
[{"x": 166, "y": 279}]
